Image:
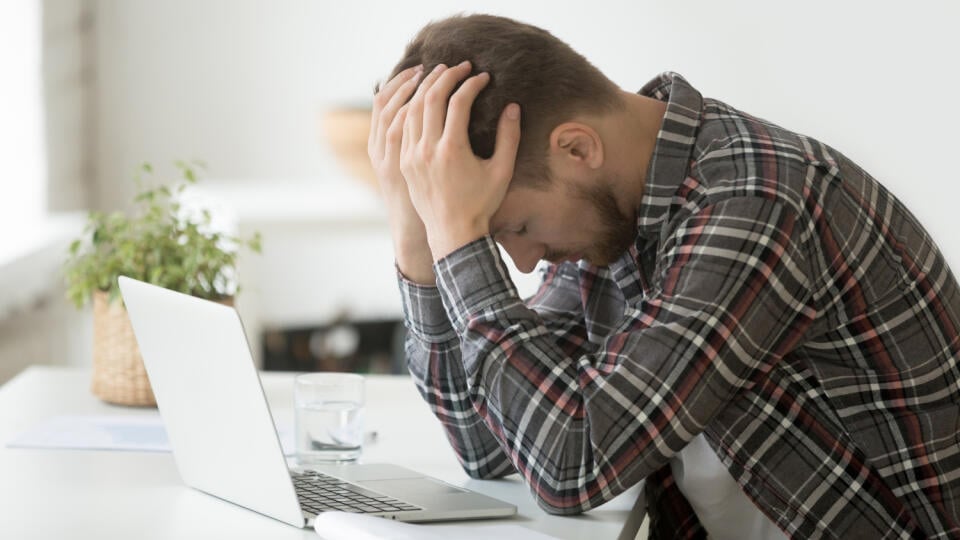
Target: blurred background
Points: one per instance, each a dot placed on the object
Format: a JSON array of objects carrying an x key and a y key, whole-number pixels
[{"x": 263, "y": 93}]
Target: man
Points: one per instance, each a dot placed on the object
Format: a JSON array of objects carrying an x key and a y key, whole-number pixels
[{"x": 734, "y": 312}]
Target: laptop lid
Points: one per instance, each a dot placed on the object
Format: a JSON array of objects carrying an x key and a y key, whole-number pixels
[{"x": 211, "y": 400}]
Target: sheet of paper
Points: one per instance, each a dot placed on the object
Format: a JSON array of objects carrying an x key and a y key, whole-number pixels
[
  {"x": 138, "y": 433},
  {"x": 347, "y": 526}
]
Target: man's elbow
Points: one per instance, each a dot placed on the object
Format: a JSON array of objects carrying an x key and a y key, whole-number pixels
[
  {"x": 558, "y": 506},
  {"x": 486, "y": 473},
  {"x": 478, "y": 474}
]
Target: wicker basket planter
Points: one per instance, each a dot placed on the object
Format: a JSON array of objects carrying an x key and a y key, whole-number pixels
[{"x": 118, "y": 373}]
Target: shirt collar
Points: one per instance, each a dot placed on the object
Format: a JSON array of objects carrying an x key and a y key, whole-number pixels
[{"x": 672, "y": 154}]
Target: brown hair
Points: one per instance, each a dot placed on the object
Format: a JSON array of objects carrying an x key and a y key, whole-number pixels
[{"x": 527, "y": 65}]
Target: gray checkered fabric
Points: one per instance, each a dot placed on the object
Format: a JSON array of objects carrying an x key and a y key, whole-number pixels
[{"x": 778, "y": 300}]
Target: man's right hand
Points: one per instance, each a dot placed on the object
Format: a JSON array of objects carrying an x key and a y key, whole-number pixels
[{"x": 386, "y": 128}]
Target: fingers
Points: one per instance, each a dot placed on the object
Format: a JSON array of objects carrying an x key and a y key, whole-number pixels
[
  {"x": 383, "y": 98},
  {"x": 433, "y": 113},
  {"x": 436, "y": 99},
  {"x": 394, "y": 134},
  {"x": 385, "y": 93},
  {"x": 508, "y": 140},
  {"x": 458, "y": 111},
  {"x": 414, "y": 124},
  {"x": 389, "y": 112}
]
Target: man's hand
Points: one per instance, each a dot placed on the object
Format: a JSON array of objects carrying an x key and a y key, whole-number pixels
[
  {"x": 386, "y": 128},
  {"x": 454, "y": 192}
]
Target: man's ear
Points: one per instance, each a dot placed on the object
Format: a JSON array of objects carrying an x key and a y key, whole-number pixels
[{"x": 578, "y": 143}]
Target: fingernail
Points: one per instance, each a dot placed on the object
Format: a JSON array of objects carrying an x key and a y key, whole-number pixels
[
  {"x": 418, "y": 69},
  {"x": 461, "y": 64},
  {"x": 513, "y": 111},
  {"x": 439, "y": 68}
]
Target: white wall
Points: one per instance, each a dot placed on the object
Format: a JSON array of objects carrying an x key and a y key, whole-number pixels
[
  {"x": 241, "y": 83},
  {"x": 22, "y": 157},
  {"x": 43, "y": 89},
  {"x": 69, "y": 78}
]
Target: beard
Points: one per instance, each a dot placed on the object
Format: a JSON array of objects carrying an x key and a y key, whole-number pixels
[{"x": 618, "y": 230}]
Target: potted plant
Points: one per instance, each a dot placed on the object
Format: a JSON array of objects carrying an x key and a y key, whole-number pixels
[{"x": 161, "y": 242}]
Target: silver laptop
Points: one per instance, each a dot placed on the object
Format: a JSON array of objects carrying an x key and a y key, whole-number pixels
[{"x": 223, "y": 435}]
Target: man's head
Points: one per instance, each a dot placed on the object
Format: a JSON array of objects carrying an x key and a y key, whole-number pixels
[
  {"x": 580, "y": 165},
  {"x": 529, "y": 66}
]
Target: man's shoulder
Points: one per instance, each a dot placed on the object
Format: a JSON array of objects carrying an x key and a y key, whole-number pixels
[
  {"x": 738, "y": 154},
  {"x": 725, "y": 130}
]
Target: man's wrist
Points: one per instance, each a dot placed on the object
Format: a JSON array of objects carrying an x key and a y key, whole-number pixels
[
  {"x": 416, "y": 273},
  {"x": 411, "y": 251},
  {"x": 446, "y": 239},
  {"x": 414, "y": 261}
]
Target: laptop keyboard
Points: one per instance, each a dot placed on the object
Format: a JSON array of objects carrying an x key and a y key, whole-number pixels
[{"x": 319, "y": 492}]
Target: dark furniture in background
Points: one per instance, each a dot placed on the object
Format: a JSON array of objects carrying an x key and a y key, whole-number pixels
[{"x": 356, "y": 346}]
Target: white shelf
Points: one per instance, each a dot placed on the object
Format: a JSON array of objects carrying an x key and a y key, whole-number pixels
[
  {"x": 31, "y": 261},
  {"x": 306, "y": 200}
]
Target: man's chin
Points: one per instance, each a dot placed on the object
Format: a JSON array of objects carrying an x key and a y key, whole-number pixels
[
  {"x": 604, "y": 259},
  {"x": 601, "y": 261},
  {"x": 596, "y": 260}
]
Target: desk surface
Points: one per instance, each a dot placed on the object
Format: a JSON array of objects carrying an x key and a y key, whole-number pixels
[{"x": 76, "y": 495}]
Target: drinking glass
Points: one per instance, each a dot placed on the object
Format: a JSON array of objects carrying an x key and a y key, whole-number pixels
[{"x": 328, "y": 417}]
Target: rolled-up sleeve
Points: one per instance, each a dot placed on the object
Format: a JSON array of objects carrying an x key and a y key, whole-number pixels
[{"x": 432, "y": 350}]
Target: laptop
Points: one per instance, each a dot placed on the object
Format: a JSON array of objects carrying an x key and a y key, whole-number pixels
[{"x": 223, "y": 436}]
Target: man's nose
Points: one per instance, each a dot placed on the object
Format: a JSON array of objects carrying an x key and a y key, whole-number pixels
[{"x": 525, "y": 254}]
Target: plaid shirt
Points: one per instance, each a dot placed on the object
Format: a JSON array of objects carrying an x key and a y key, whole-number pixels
[{"x": 777, "y": 299}]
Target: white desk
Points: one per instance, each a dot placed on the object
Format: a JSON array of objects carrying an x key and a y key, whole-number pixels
[{"x": 78, "y": 495}]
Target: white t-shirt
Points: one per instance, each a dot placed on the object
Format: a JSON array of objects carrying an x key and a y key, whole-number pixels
[{"x": 721, "y": 506}]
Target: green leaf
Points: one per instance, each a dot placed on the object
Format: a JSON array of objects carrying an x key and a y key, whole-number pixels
[{"x": 154, "y": 244}]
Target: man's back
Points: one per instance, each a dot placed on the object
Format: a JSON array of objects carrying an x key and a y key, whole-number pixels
[{"x": 877, "y": 370}]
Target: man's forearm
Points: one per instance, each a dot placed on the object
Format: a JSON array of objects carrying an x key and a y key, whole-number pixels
[
  {"x": 413, "y": 256},
  {"x": 455, "y": 234},
  {"x": 438, "y": 374},
  {"x": 433, "y": 358}
]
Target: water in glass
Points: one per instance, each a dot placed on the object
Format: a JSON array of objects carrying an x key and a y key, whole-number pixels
[{"x": 329, "y": 431}]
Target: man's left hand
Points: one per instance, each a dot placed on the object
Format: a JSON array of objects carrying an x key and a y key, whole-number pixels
[{"x": 454, "y": 191}]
